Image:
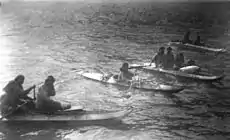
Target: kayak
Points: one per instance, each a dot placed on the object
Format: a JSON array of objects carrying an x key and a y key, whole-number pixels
[
  {"x": 69, "y": 115},
  {"x": 182, "y": 74},
  {"x": 112, "y": 79},
  {"x": 192, "y": 47}
]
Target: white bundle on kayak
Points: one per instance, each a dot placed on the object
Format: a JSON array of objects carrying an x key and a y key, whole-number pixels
[
  {"x": 136, "y": 78},
  {"x": 190, "y": 69}
]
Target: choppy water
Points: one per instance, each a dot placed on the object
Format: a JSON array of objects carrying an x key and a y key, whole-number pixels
[{"x": 43, "y": 38}]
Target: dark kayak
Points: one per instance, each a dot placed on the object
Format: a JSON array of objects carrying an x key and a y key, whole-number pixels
[
  {"x": 153, "y": 69},
  {"x": 112, "y": 79},
  {"x": 191, "y": 47},
  {"x": 69, "y": 115}
]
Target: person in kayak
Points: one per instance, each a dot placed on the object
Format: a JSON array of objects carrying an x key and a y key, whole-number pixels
[
  {"x": 169, "y": 59},
  {"x": 191, "y": 62},
  {"x": 159, "y": 58},
  {"x": 125, "y": 74},
  {"x": 197, "y": 42},
  {"x": 43, "y": 101},
  {"x": 15, "y": 95},
  {"x": 186, "y": 38},
  {"x": 179, "y": 60}
]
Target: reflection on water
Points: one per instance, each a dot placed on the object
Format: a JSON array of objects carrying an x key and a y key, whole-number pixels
[{"x": 5, "y": 73}]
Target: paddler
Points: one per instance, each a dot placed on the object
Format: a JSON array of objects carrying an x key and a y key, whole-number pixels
[
  {"x": 169, "y": 59},
  {"x": 191, "y": 62},
  {"x": 14, "y": 95},
  {"x": 198, "y": 41},
  {"x": 125, "y": 74},
  {"x": 43, "y": 100},
  {"x": 179, "y": 60},
  {"x": 186, "y": 38},
  {"x": 159, "y": 58}
]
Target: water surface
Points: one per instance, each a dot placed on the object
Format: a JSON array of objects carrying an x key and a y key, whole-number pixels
[{"x": 43, "y": 38}]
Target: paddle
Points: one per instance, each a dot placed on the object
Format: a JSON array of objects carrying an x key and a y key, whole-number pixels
[
  {"x": 134, "y": 67},
  {"x": 19, "y": 106},
  {"x": 140, "y": 66},
  {"x": 11, "y": 112},
  {"x": 105, "y": 75},
  {"x": 34, "y": 94}
]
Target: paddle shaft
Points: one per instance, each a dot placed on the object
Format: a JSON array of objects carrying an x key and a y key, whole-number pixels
[{"x": 34, "y": 94}]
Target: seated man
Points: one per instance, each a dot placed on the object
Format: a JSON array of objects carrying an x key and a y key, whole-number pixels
[
  {"x": 43, "y": 101},
  {"x": 191, "y": 67},
  {"x": 159, "y": 58},
  {"x": 169, "y": 59},
  {"x": 125, "y": 74},
  {"x": 191, "y": 62},
  {"x": 14, "y": 95},
  {"x": 179, "y": 61},
  {"x": 197, "y": 42},
  {"x": 186, "y": 38}
]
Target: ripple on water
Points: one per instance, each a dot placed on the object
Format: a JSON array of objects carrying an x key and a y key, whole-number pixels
[{"x": 105, "y": 134}]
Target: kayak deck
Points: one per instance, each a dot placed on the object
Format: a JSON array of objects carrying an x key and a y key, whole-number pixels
[
  {"x": 152, "y": 68},
  {"x": 77, "y": 115},
  {"x": 140, "y": 84},
  {"x": 188, "y": 46}
]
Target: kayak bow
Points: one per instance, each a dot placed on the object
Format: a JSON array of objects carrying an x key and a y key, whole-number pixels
[{"x": 196, "y": 48}]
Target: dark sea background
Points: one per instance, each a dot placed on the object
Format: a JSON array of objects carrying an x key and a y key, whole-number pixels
[{"x": 50, "y": 38}]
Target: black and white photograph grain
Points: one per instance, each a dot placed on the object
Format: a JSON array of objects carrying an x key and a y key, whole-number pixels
[{"x": 114, "y": 70}]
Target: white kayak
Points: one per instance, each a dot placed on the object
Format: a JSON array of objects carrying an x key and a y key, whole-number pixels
[
  {"x": 69, "y": 115},
  {"x": 184, "y": 74},
  {"x": 112, "y": 79},
  {"x": 197, "y": 48}
]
